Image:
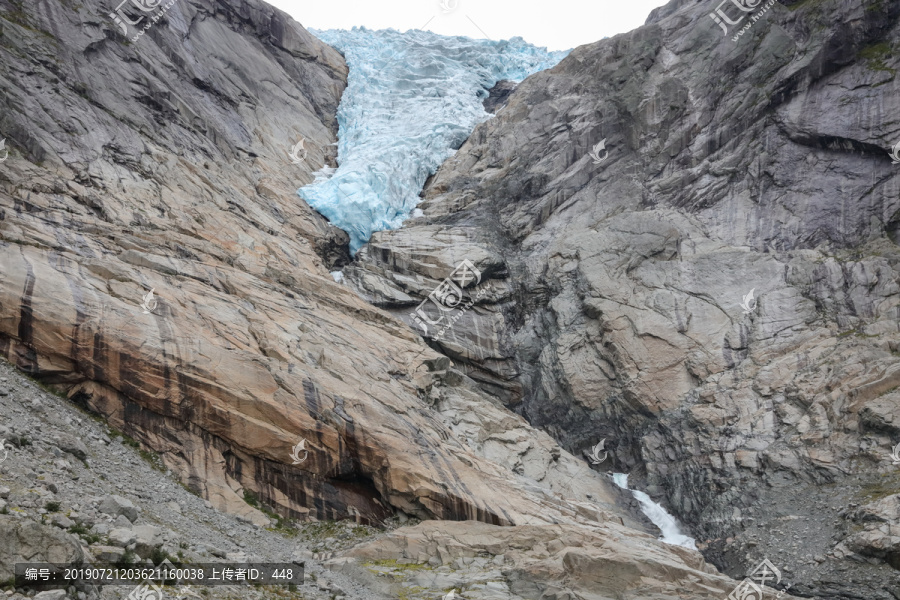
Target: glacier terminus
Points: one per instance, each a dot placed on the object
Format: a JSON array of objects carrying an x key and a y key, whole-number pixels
[{"x": 412, "y": 98}]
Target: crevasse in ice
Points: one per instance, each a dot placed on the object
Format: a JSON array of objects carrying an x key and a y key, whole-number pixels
[{"x": 412, "y": 98}]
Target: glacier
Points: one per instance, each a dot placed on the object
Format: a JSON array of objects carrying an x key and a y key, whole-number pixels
[{"x": 412, "y": 98}]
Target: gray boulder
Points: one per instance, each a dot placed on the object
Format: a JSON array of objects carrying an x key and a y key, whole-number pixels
[
  {"x": 73, "y": 446},
  {"x": 117, "y": 505},
  {"x": 26, "y": 541},
  {"x": 110, "y": 554},
  {"x": 122, "y": 537},
  {"x": 146, "y": 539},
  {"x": 62, "y": 521}
]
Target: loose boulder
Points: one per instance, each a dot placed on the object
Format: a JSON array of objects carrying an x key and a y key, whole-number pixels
[
  {"x": 117, "y": 505},
  {"x": 23, "y": 541}
]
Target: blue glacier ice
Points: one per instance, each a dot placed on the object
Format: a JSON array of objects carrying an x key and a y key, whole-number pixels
[{"x": 412, "y": 98}]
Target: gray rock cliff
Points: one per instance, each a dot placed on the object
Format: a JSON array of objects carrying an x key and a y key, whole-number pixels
[{"x": 610, "y": 304}]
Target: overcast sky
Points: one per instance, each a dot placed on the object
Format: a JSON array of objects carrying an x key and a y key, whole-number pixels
[{"x": 556, "y": 24}]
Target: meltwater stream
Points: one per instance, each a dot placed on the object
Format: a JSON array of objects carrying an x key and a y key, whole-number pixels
[
  {"x": 412, "y": 98},
  {"x": 671, "y": 529}
]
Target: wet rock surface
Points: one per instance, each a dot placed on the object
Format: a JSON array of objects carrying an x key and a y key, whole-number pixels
[{"x": 41, "y": 486}]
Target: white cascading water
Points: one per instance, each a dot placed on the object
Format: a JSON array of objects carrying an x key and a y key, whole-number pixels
[{"x": 668, "y": 525}]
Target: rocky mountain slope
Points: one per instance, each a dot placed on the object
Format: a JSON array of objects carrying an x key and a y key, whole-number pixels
[
  {"x": 72, "y": 488},
  {"x": 248, "y": 345},
  {"x": 610, "y": 305},
  {"x": 157, "y": 268}
]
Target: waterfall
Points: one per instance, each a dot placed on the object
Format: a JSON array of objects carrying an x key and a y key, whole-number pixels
[{"x": 672, "y": 532}]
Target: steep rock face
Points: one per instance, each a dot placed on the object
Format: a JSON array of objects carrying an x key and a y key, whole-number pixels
[
  {"x": 182, "y": 187},
  {"x": 610, "y": 299},
  {"x": 162, "y": 165},
  {"x": 140, "y": 165}
]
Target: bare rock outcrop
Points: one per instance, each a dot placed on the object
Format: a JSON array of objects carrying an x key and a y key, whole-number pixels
[
  {"x": 157, "y": 267},
  {"x": 624, "y": 205},
  {"x": 178, "y": 181},
  {"x": 531, "y": 562}
]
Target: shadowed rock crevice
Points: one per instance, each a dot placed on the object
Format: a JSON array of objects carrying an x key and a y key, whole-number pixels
[{"x": 498, "y": 96}]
